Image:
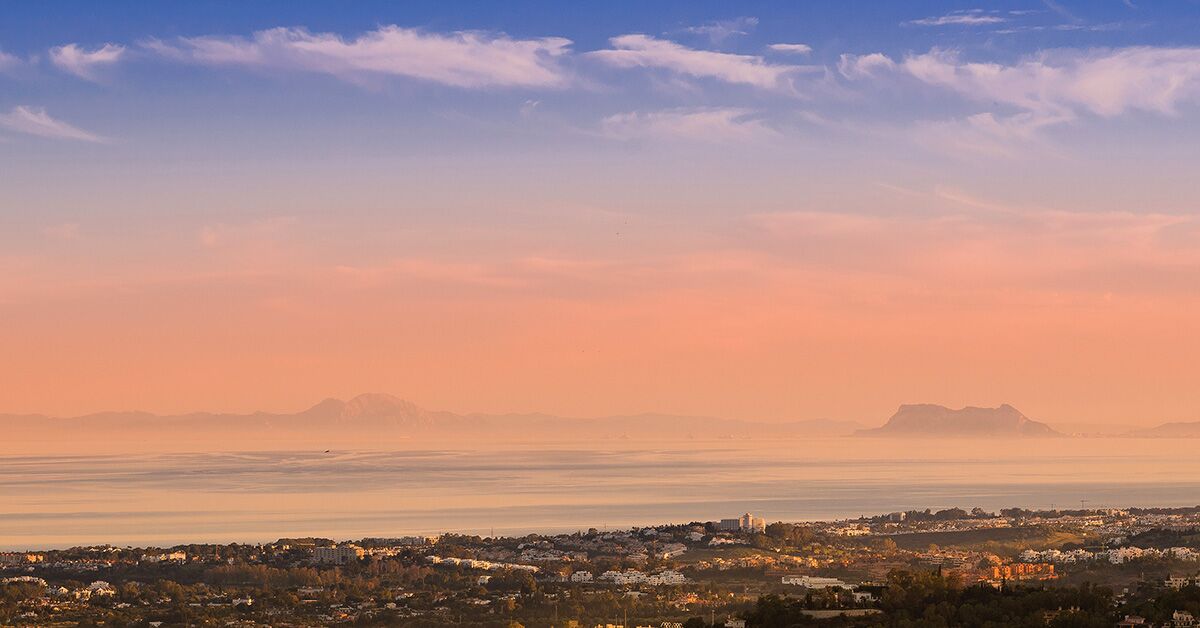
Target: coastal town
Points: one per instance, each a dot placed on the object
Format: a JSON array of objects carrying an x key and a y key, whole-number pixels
[{"x": 1101, "y": 567}]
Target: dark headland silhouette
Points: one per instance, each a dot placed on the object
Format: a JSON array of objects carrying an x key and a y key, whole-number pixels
[
  {"x": 1189, "y": 429},
  {"x": 930, "y": 420}
]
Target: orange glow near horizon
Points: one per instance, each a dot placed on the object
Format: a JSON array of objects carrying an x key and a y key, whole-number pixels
[{"x": 786, "y": 316}]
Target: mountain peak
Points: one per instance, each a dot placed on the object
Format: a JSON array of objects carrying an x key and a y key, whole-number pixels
[
  {"x": 367, "y": 405},
  {"x": 327, "y": 407},
  {"x": 379, "y": 405}
]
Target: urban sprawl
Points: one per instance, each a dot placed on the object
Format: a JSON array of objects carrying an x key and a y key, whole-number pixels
[{"x": 952, "y": 567}]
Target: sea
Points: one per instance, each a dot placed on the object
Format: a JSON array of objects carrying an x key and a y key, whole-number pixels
[{"x": 163, "y": 499}]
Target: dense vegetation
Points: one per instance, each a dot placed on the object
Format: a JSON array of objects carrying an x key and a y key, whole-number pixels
[{"x": 928, "y": 599}]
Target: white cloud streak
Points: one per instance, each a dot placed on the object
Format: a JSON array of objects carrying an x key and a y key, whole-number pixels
[
  {"x": 796, "y": 49},
  {"x": 633, "y": 51},
  {"x": 466, "y": 59},
  {"x": 724, "y": 29},
  {"x": 35, "y": 121},
  {"x": 85, "y": 63},
  {"x": 972, "y": 17}
]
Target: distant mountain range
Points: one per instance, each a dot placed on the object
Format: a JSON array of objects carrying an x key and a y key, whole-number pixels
[
  {"x": 928, "y": 420},
  {"x": 383, "y": 418}
]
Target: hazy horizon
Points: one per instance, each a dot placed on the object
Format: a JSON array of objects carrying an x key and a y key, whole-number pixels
[
  {"x": 164, "y": 498},
  {"x": 862, "y": 422},
  {"x": 303, "y": 266}
]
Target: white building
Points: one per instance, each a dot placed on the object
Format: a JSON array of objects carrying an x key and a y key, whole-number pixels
[
  {"x": 814, "y": 582},
  {"x": 852, "y": 530},
  {"x": 403, "y": 541},
  {"x": 666, "y": 578},
  {"x": 581, "y": 576},
  {"x": 671, "y": 550},
  {"x": 629, "y": 576},
  {"x": 177, "y": 556},
  {"x": 744, "y": 523},
  {"x": 337, "y": 555}
]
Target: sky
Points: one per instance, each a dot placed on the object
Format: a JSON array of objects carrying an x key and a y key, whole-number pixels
[{"x": 758, "y": 210}]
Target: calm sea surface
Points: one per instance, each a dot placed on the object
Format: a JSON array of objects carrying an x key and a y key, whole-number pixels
[{"x": 58, "y": 501}]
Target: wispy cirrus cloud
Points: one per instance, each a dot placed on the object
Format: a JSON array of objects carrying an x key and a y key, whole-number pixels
[
  {"x": 969, "y": 17},
  {"x": 798, "y": 49},
  {"x": 1043, "y": 90},
  {"x": 1068, "y": 27},
  {"x": 986, "y": 133},
  {"x": 35, "y": 121},
  {"x": 86, "y": 63},
  {"x": 644, "y": 51},
  {"x": 708, "y": 125},
  {"x": 1105, "y": 82},
  {"x": 721, "y": 30},
  {"x": 466, "y": 59},
  {"x": 1032, "y": 245}
]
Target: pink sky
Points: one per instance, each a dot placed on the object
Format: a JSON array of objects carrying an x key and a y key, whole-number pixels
[
  {"x": 770, "y": 217},
  {"x": 1071, "y": 316}
]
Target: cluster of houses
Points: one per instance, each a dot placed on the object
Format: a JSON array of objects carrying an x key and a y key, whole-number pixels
[
  {"x": 1179, "y": 619},
  {"x": 814, "y": 582},
  {"x": 20, "y": 559},
  {"x": 1115, "y": 556},
  {"x": 485, "y": 565},
  {"x": 631, "y": 577},
  {"x": 545, "y": 555},
  {"x": 820, "y": 582},
  {"x": 178, "y": 556},
  {"x": 96, "y": 589}
]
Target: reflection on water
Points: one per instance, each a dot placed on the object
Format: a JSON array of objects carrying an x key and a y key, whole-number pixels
[{"x": 55, "y": 501}]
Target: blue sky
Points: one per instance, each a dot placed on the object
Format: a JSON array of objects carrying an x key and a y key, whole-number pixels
[{"x": 152, "y": 88}]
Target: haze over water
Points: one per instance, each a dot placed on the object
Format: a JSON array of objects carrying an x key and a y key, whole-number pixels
[
  {"x": 785, "y": 214},
  {"x": 164, "y": 499}
]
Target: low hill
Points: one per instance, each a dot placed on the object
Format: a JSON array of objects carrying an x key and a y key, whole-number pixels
[
  {"x": 1169, "y": 430},
  {"x": 928, "y": 420}
]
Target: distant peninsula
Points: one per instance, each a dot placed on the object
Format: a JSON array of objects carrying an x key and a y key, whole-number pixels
[{"x": 928, "y": 420}]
